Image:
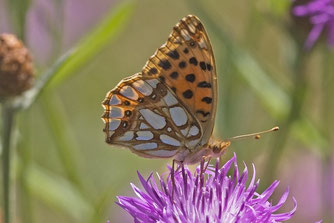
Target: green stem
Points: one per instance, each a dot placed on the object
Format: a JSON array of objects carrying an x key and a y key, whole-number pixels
[
  {"x": 7, "y": 126},
  {"x": 55, "y": 118},
  {"x": 24, "y": 150}
]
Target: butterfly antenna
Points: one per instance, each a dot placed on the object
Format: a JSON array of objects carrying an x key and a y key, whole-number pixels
[{"x": 257, "y": 135}]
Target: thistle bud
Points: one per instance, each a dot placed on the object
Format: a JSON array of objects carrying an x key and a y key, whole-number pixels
[{"x": 16, "y": 68}]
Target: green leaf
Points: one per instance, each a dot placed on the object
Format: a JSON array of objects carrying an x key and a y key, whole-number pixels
[
  {"x": 58, "y": 193},
  {"x": 88, "y": 47},
  {"x": 271, "y": 95}
]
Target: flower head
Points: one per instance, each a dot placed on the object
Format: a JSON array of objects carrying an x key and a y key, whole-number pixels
[
  {"x": 213, "y": 196},
  {"x": 16, "y": 69},
  {"x": 320, "y": 14}
]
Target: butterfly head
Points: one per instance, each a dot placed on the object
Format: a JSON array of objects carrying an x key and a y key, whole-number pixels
[{"x": 218, "y": 148}]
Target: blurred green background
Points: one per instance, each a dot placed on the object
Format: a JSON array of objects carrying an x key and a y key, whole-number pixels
[{"x": 63, "y": 171}]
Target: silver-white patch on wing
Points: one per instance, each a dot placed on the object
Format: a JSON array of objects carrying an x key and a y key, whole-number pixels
[
  {"x": 114, "y": 124},
  {"x": 143, "y": 87},
  {"x": 144, "y": 135},
  {"x": 127, "y": 136},
  {"x": 143, "y": 126},
  {"x": 185, "y": 34},
  {"x": 129, "y": 92},
  {"x": 153, "y": 82},
  {"x": 193, "y": 131},
  {"x": 170, "y": 100},
  {"x": 146, "y": 146},
  {"x": 116, "y": 112},
  {"x": 178, "y": 115},
  {"x": 114, "y": 100},
  {"x": 169, "y": 140},
  {"x": 155, "y": 120}
]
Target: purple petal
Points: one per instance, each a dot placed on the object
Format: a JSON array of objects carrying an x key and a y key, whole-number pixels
[{"x": 212, "y": 196}]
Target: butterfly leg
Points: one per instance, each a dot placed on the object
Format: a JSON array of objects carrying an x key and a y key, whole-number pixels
[
  {"x": 207, "y": 164},
  {"x": 173, "y": 180},
  {"x": 173, "y": 175},
  {"x": 203, "y": 168}
]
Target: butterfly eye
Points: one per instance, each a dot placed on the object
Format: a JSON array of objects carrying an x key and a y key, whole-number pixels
[
  {"x": 216, "y": 149},
  {"x": 127, "y": 103},
  {"x": 140, "y": 100}
]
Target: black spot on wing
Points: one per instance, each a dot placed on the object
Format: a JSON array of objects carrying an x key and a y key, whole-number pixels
[
  {"x": 202, "y": 65},
  {"x": 174, "y": 75},
  {"x": 173, "y": 54},
  {"x": 204, "y": 84},
  {"x": 193, "y": 61},
  {"x": 152, "y": 71},
  {"x": 162, "y": 79},
  {"x": 164, "y": 64},
  {"x": 209, "y": 67},
  {"x": 190, "y": 77},
  {"x": 203, "y": 113},
  {"x": 188, "y": 94},
  {"x": 182, "y": 64},
  {"x": 207, "y": 100}
]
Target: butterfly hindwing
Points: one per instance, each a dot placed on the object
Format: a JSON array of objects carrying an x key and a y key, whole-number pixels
[{"x": 144, "y": 115}]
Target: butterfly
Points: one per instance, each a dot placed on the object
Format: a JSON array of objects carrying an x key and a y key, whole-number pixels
[{"x": 168, "y": 109}]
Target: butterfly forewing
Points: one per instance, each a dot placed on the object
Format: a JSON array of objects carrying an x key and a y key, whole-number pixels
[
  {"x": 170, "y": 106},
  {"x": 187, "y": 65}
]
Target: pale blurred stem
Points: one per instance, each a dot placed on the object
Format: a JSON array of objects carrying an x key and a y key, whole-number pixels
[
  {"x": 7, "y": 126},
  {"x": 57, "y": 125},
  {"x": 24, "y": 154},
  {"x": 297, "y": 101}
]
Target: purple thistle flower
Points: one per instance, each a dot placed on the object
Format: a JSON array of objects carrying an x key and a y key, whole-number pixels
[
  {"x": 321, "y": 16},
  {"x": 220, "y": 198}
]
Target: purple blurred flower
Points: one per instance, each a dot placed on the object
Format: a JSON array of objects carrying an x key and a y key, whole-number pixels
[
  {"x": 321, "y": 16},
  {"x": 220, "y": 198}
]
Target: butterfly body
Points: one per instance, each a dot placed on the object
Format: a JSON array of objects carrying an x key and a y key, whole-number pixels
[{"x": 168, "y": 109}]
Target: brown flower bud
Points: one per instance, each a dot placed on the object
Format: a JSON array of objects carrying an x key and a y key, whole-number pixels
[{"x": 16, "y": 68}]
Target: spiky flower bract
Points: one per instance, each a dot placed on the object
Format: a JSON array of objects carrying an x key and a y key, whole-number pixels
[{"x": 212, "y": 196}]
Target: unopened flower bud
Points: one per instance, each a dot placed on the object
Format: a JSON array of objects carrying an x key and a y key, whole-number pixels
[{"x": 16, "y": 68}]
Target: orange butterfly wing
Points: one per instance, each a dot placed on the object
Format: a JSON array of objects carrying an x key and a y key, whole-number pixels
[{"x": 187, "y": 65}]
